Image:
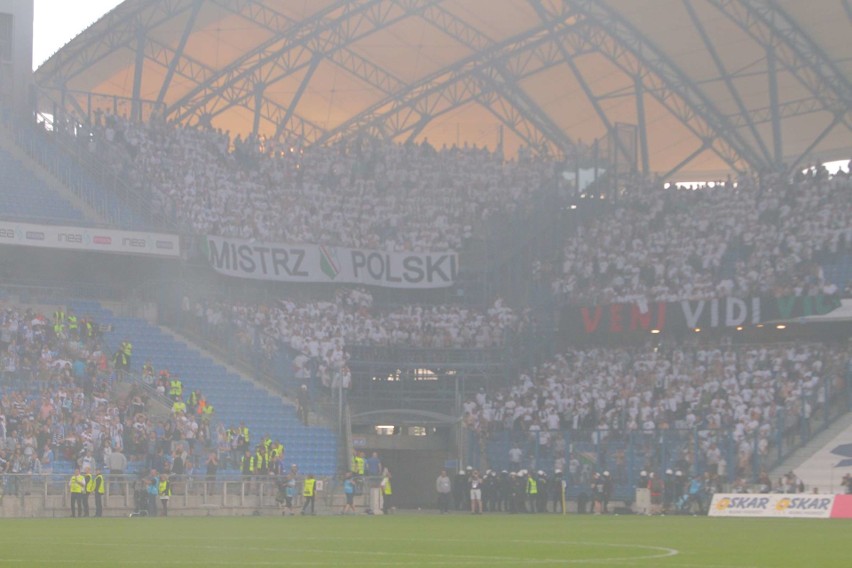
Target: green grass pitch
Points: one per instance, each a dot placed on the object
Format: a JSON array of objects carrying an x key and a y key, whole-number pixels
[{"x": 427, "y": 540}]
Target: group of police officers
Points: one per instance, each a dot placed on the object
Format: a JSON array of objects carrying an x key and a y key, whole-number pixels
[{"x": 509, "y": 492}]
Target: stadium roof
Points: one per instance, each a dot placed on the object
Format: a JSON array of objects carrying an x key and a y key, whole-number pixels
[{"x": 711, "y": 86}]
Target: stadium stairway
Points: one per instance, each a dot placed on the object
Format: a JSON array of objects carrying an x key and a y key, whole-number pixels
[
  {"x": 27, "y": 196},
  {"x": 825, "y": 477},
  {"x": 234, "y": 397}
]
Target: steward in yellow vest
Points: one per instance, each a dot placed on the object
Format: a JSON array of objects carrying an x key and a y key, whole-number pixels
[
  {"x": 98, "y": 490},
  {"x": 309, "y": 493},
  {"x": 164, "y": 488},
  {"x": 77, "y": 485},
  {"x": 387, "y": 492}
]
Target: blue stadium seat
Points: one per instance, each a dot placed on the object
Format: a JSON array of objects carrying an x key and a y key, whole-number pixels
[{"x": 233, "y": 397}]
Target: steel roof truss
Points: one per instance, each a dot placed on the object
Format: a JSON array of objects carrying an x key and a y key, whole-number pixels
[
  {"x": 345, "y": 58},
  {"x": 726, "y": 77},
  {"x": 278, "y": 46},
  {"x": 526, "y": 107},
  {"x": 424, "y": 93},
  {"x": 120, "y": 32},
  {"x": 332, "y": 36},
  {"x": 795, "y": 51},
  {"x": 178, "y": 54},
  {"x": 616, "y": 38}
]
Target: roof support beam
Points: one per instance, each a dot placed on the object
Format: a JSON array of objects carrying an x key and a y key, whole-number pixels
[
  {"x": 452, "y": 85},
  {"x": 187, "y": 31},
  {"x": 258, "y": 107},
  {"x": 139, "y": 64},
  {"x": 814, "y": 144},
  {"x": 530, "y": 111},
  {"x": 471, "y": 37},
  {"x": 345, "y": 58},
  {"x": 568, "y": 59},
  {"x": 768, "y": 25},
  {"x": 798, "y": 107},
  {"x": 247, "y": 66},
  {"x": 280, "y": 57},
  {"x": 700, "y": 150},
  {"x": 494, "y": 98},
  {"x": 626, "y": 47},
  {"x": 772, "y": 77},
  {"x": 198, "y": 72},
  {"x": 114, "y": 31},
  {"x": 374, "y": 75},
  {"x": 415, "y": 132},
  {"x": 291, "y": 108},
  {"x": 726, "y": 76},
  {"x": 643, "y": 131}
]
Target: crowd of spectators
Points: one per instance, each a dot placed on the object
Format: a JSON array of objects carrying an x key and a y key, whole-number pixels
[
  {"x": 732, "y": 397},
  {"x": 58, "y": 403},
  {"x": 61, "y": 404},
  {"x": 667, "y": 243},
  {"x": 656, "y": 242},
  {"x": 319, "y": 331},
  {"x": 365, "y": 193}
]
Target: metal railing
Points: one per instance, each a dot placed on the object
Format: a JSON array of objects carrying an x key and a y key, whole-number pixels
[
  {"x": 66, "y": 157},
  {"x": 48, "y": 494}
]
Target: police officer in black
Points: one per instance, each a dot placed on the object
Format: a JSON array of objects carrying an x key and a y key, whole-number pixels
[
  {"x": 490, "y": 492},
  {"x": 519, "y": 488},
  {"x": 504, "y": 491},
  {"x": 597, "y": 494},
  {"x": 459, "y": 488},
  {"x": 543, "y": 492},
  {"x": 607, "y": 491},
  {"x": 554, "y": 487}
]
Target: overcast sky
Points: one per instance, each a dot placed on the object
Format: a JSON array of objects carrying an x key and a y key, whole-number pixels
[{"x": 59, "y": 21}]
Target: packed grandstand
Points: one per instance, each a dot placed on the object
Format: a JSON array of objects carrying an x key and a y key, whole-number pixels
[{"x": 213, "y": 374}]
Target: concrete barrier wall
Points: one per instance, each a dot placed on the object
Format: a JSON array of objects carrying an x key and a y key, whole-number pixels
[{"x": 48, "y": 497}]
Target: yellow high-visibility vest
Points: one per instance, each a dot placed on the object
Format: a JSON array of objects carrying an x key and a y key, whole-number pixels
[
  {"x": 532, "y": 486},
  {"x": 77, "y": 483}
]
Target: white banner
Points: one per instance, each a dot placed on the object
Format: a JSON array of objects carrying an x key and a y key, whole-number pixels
[
  {"x": 316, "y": 263},
  {"x": 89, "y": 239},
  {"x": 771, "y": 505}
]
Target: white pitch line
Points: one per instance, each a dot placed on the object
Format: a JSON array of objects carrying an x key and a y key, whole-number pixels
[
  {"x": 455, "y": 558},
  {"x": 351, "y": 562},
  {"x": 666, "y": 551}
]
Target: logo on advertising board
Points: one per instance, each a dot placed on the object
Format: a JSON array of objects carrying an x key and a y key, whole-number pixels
[
  {"x": 79, "y": 238},
  {"x": 73, "y": 237},
  {"x": 744, "y": 505},
  {"x": 134, "y": 242},
  {"x": 804, "y": 506},
  {"x": 329, "y": 262},
  {"x": 799, "y": 506}
]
